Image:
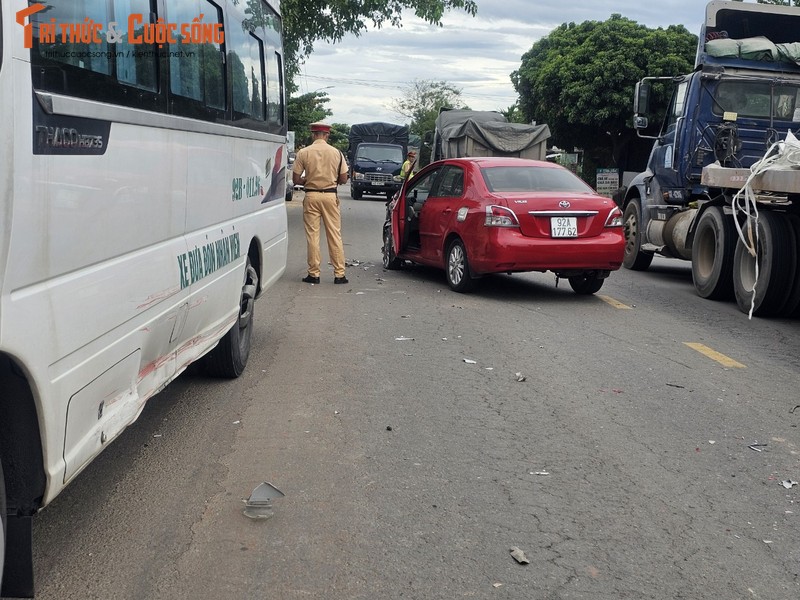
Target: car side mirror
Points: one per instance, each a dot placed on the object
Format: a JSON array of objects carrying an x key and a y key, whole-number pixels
[{"x": 640, "y": 122}]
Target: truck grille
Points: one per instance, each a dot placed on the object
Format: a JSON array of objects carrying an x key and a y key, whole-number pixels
[{"x": 382, "y": 177}]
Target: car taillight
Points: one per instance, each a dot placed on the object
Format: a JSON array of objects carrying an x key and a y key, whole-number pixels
[
  {"x": 500, "y": 216},
  {"x": 614, "y": 218}
]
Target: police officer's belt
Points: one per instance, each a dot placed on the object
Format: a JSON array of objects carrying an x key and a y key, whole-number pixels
[{"x": 328, "y": 191}]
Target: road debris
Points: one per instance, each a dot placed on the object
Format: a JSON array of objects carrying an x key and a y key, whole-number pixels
[
  {"x": 519, "y": 555},
  {"x": 520, "y": 377},
  {"x": 402, "y": 338},
  {"x": 788, "y": 484},
  {"x": 259, "y": 504},
  {"x": 469, "y": 361},
  {"x": 539, "y": 473},
  {"x": 757, "y": 447}
]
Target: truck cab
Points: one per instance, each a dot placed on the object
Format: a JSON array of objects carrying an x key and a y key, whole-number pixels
[
  {"x": 742, "y": 97},
  {"x": 375, "y": 169}
]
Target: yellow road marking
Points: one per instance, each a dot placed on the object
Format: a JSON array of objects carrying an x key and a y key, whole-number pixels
[
  {"x": 725, "y": 361},
  {"x": 612, "y": 302}
]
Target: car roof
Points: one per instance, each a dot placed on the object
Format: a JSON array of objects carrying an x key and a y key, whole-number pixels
[{"x": 501, "y": 161}]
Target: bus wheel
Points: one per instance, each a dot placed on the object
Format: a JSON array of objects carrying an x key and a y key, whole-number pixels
[
  {"x": 776, "y": 253},
  {"x": 634, "y": 258},
  {"x": 712, "y": 255},
  {"x": 229, "y": 358},
  {"x": 2, "y": 524}
]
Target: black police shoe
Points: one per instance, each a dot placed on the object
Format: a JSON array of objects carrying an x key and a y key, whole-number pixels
[
  {"x": 341, "y": 279},
  {"x": 311, "y": 279}
]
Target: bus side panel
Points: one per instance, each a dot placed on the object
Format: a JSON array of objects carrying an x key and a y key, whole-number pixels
[{"x": 99, "y": 281}]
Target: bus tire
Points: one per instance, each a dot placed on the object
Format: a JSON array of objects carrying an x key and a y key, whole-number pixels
[
  {"x": 229, "y": 358},
  {"x": 777, "y": 256},
  {"x": 712, "y": 255},
  {"x": 2, "y": 523},
  {"x": 634, "y": 259}
]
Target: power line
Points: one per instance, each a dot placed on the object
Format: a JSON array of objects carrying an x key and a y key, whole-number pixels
[{"x": 393, "y": 85}]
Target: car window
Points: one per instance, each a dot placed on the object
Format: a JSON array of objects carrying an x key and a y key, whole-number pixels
[
  {"x": 533, "y": 179},
  {"x": 420, "y": 187},
  {"x": 451, "y": 183}
]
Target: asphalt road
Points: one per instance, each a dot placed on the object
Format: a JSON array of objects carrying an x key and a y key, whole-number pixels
[{"x": 623, "y": 466}]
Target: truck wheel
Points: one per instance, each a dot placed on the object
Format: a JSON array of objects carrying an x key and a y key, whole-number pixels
[
  {"x": 390, "y": 260},
  {"x": 712, "y": 255},
  {"x": 457, "y": 268},
  {"x": 355, "y": 194},
  {"x": 586, "y": 284},
  {"x": 777, "y": 258},
  {"x": 792, "y": 307},
  {"x": 634, "y": 258},
  {"x": 229, "y": 358}
]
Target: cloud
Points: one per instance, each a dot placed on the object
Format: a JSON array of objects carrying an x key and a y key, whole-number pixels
[{"x": 476, "y": 54}]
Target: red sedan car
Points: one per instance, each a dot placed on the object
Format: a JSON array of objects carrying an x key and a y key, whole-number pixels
[{"x": 474, "y": 216}]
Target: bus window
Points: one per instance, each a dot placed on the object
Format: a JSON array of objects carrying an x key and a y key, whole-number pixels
[
  {"x": 246, "y": 59},
  {"x": 93, "y": 56},
  {"x": 136, "y": 65},
  {"x": 196, "y": 69}
]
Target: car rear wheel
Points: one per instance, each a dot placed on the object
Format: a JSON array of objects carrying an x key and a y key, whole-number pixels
[
  {"x": 457, "y": 268},
  {"x": 586, "y": 284},
  {"x": 229, "y": 358},
  {"x": 390, "y": 260},
  {"x": 634, "y": 258}
]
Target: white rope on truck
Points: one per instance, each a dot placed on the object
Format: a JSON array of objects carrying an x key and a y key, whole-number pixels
[{"x": 783, "y": 154}]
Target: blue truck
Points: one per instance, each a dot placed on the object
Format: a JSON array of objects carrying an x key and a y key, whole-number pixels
[
  {"x": 724, "y": 117},
  {"x": 375, "y": 153}
]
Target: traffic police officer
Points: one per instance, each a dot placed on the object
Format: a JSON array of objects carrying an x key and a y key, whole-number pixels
[{"x": 320, "y": 168}]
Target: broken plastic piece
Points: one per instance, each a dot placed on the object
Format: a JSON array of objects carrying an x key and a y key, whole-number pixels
[
  {"x": 469, "y": 361},
  {"x": 259, "y": 504},
  {"x": 788, "y": 484},
  {"x": 519, "y": 555},
  {"x": 520, "y": 377},
  {"x": 403, "y": 339}
]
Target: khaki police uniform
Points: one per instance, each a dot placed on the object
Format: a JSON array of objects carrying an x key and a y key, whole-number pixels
[{"x": 322, "y": 164}]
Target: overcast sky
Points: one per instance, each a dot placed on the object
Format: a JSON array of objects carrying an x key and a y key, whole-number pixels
[{"x": 363, "y": 75}]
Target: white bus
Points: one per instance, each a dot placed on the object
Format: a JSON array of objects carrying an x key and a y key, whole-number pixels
[{"x": 142, "y": 184}]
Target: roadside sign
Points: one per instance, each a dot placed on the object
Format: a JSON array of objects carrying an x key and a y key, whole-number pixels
[{"x": 607, "y": 182}]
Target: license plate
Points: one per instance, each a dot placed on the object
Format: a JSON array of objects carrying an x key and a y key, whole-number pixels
[
  {"x": 563, "y": 227},
  {"x": 378, "y": 182}
]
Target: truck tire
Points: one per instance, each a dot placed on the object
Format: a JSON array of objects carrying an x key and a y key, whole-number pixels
[
  {"x": 634, "y": 258},
  {"x": 712, "y": 255},
  {"x": 777, "y": 259},
  {"x": 792, "y": 306}
]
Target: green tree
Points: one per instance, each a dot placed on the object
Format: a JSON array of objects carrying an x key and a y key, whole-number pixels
[
  {"x": 304, "y": 110},
  {"x": 579, "y": 80},
  {"x": 779, "y": 2},
  {"x": 306, "y": 21},
  {"x": 339, "y": 136},
  {"x": 420, "y": 104}
]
